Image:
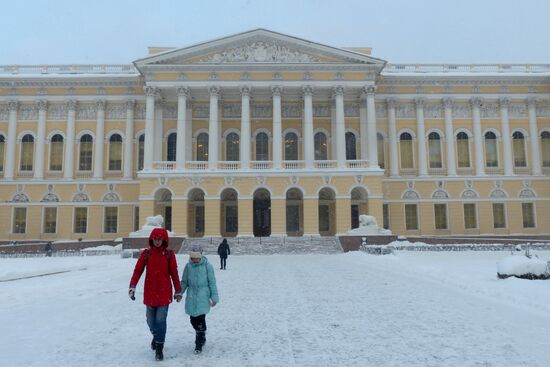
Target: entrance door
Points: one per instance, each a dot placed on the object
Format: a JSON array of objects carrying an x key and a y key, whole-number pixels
[
  {"x": 262, "y": 214},
  {"x": 168, "y": 218}
]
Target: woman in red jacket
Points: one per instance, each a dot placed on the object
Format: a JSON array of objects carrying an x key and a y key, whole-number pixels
[{"x": 162, "y": 272}]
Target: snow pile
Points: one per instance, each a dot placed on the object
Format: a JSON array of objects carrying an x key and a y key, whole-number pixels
[
  {"x": 105, "y": 248},
  {"x": 522, "y": 266}
]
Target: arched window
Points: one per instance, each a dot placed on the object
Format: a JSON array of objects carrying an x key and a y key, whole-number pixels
[
  {"x": 545, "y": 148},
  {"x": 406, "y": 150},
  {"x": 171, "y": 147},
  {"x": 434, "y": 147},
  {"x": 27, "y": 153},
  {"x": 321, "y": 151},
  {"x": 262, "y": 147},
  {"x": 202, "y": 147},
  {"x": 463, "y": 150},
  {"x": 291, "y": 147},
  {"x": 520, "y": 160},
  {"x": 56, "y": 153},
  {"x": 115, "y": 152},
  {"x": 232, "y": 147},
  {"x": 2, "y": 141},
  {"x": 491, "y": 152},
  {"x": 351, "y": 147},
  {"x": 381, "y": 150},
  {"x": 141, "y": 151},
  {"x": 85, "y": 153}
]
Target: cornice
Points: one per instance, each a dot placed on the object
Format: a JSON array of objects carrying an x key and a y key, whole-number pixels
[
  {"x": 103, "y": 82},
  {"x": 375, "y": 69},
  {"x": 422, "y": 79}
]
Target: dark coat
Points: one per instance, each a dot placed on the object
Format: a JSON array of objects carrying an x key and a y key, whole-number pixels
[
  {"x": 223, "y": 249},
  {"x": 162, "y": 272}
]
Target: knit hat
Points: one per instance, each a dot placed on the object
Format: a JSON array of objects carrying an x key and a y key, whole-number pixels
[{"x": 195, "y": 251}]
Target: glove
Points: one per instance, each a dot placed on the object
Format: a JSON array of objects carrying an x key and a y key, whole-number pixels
[
  {"x": 178, "y": 297},
  {"x": 132, "y": 293}
]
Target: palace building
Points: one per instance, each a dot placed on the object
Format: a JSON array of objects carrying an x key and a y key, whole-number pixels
[{"x": 265, "y": 134}]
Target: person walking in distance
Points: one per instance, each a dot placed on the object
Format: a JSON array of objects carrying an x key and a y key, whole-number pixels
[
  {"x": 199, "y": 281},
  {"x": 223, "y": 251},
  {"x": 161, "y": 273}
]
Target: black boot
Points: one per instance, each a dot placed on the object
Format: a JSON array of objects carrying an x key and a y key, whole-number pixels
[
  {"x": 153, "y": 344},
  {"x": 200, "y": 340},
  {"x": 158, "y": 351}
]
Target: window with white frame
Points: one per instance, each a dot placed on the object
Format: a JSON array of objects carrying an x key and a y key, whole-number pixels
[
  {"x": 406, "y": 150},
  {"x": 110, "y": 219},
  {"x": 85, "y": 153},
  {"x": 528, "y": 213},
  {"x": 262, "y": 147},
  {"x": 141, "y": 151},
  {"x": 381, "y": 150},
  {"x": 518, "y": 143},
  {"x": 19, "y": 220},
  {"x": 115, "y": 152},
  {"x": 171, "y": 144},
  {"x": 351, "y": 146},
  {"x": 470, "y": 216},
  {"x": 56, "y": 153},
  {"x": 27, "y": 153},
  {"x": 463, "y": 150},
  {"x": 80, "y": 220},
  {"x": 545, "y": 148},
  {"x": 291, "y": 147},
  {"x": 499, "y": 215},
  {"x": 434, "y": 148},
  {"x": 491, "y": 151},
  {"x": 50, "y": 219},
  {"x": 232, "y": 147},
  {"x": 202, "y": 147},
  {"x": 440, "y": 215},
  {"x": 321, "y": 149},
  {"x": 411, "y": 217}
]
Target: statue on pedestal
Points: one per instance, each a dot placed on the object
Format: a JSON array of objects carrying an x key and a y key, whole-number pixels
[
  {"x": 368, "y": 226},
  {"x": 156, "y": 221}
]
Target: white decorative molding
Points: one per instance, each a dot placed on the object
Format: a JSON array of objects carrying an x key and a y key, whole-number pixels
[
  {"x": 201, "y": 110},
  {"x": 543, "y": 109},
  {"x": 231, "y": 110},
  {"x": 294, "y": 180},
  {"x": 351, "y": 110},
  {"x": 405, "y": 110},
  {"x": 462, "y": 110},
  {"x": 381, "y": 110},
  {"x": 527, "y": 193},
  {"x": 259, "y": 52},
  {"x": 410, "y": 195},
  {"x": 86, "y": 112},
  {"x": 440, "y": 194},
  {"x": 498, "y": 194},
  {"x": 111, "y": 197},
  {"x": 490, "y": 110},
  {"x": 20, "y": 197},
  {"x": 170, "y": 111},
  {"x": 116, "y": 112},
  {"x": 291, "y": 110},
  {"x": 517, "y": 110},
  {"x": 27, "y": 112},
  {"x": 57, "y": 112},
  {"x": 261, "y": 110},
  {"x": 80, "y": 197},
  {"x": 50, "y": 198},
  {"x": 321, "y": 110},
  {"x": 4, "y": 112},
  {"x": 140, "y": 111},
  {"x": 469, "y": 194}
]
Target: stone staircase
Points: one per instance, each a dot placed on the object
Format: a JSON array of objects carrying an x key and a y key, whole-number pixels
[{"x": 267, "y": 245}]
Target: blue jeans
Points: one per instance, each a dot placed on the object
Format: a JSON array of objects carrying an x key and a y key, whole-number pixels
[{"x": 156, "y": 319}]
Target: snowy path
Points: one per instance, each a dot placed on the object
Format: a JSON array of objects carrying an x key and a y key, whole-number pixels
[{"x": 415, "y": 309}]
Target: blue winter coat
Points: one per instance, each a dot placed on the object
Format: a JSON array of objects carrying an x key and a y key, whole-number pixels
[{"x": 200, "y": 282}]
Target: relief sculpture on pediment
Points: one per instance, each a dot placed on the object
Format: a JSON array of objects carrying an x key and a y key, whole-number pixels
[{"x": 259, "y": 52}]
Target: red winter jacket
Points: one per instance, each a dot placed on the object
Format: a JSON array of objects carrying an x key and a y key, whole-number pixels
[{"x": 158, "y": 289}]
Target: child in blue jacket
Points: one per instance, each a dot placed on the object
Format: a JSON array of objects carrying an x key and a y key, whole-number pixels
[{"x": 199, "y": 281}]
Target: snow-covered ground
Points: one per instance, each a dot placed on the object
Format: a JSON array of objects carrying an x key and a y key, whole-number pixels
[{"x": 411, "y": 309}]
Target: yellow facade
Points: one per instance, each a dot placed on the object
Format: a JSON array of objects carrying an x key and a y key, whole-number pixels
[{"x": 275, "y": 186}]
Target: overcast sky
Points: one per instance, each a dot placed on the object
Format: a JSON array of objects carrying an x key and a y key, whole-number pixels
[{"x": 399, "y": 31}]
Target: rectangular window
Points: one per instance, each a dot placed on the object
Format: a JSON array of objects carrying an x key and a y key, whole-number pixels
[
  {"x": 86, "y": 154},
  {"x": 80, "y": 220},
  {"x": 324, "y": 218},
  {"x": 231, "y": 219},
  {"x": 499, "y": 216},
  {"x": 386, "y": 216},
  {"x": 528, "y": 211},
  {"x": 411, "y": 217},
  {"x": 354, "y": 216},
  {"x": 50, "y": 220},
  {"x": 470, "y": 216},
  {"x": 136, "y": 218},
  {"x": 56, "y": 156},
  {"x": 111, "y": 219},
  {"x": 440, "y": 213},
  {"x": 199, "y": 219},
  {"x": 19, "y": 220}
]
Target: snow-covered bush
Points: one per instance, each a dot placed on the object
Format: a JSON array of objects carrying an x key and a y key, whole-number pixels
[{"x": 523, "y": 266}]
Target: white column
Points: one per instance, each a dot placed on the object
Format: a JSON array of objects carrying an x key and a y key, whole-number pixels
[
  {"x": 99, "y": 140},
  {"x": 363, "y": 138},
  {"x": 213, "y": 130},
  {"x": 506, "y": 136},
  {"x": 309, "y": 157},
  {"x": 40, "y": 140},
  {"x": 449, "y": 137},
  {"x": 371, "y": 127},
  {"x": 159, "y": 129},
  {"x": 181, "y": 129},
  {"x": 392, "y": 135},
  {"x": 129, "y": 141},
  {"x": 478, "y": 139},
  {"x": 68, "y": 172},
  {"x": 9, "y": 168},
  {"x": 277, "y": 128},
  {"x": 149, "y": 144},
  {"x": 340, "y": 137},
  {"x": 421, "y": 137},
  {"x": 534, "y": 137},
  {"x": 244, "y": 143}
]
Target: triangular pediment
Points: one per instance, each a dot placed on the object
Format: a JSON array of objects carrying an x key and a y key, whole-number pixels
[{"x": 258, "y": 47}]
